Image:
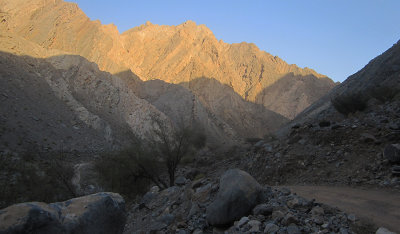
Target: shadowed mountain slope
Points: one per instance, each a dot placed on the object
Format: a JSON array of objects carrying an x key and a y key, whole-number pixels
[
  {"x": 175, "y": 54},
  {"x": 64, "y": 101},
  {"x": 382, "y": 71},
  {"x": 182, "y": 53}
]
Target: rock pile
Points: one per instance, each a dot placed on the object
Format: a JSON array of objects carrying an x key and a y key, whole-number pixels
[
  {"x": 361, "y": 149},
  {"x": 237, "y": 204}
]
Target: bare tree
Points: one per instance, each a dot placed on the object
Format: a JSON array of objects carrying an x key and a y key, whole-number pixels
[
  {"x": 171, "y": 145},
  {"x": 130, "y": 170}
]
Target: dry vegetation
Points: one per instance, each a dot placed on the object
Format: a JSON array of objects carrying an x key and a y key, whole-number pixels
[
  {"x": 153, "y": 161},
  {"x": 34, "y": 177},
  {"x": 348, "y": 103}
]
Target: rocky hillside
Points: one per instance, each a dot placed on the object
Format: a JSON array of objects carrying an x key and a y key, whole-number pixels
[
  {"x": 175, "y": 54},
  {"x": 183, "y": 53},
  {"x": 64, "y": 101},
  {"x": 325, "y": 145},
  {"x": 379, "y": 78}
]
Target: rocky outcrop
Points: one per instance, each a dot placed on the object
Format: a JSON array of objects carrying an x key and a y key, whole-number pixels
[
  {"x": 96, "y": 213},
  {"x": 238, "y": 194}
]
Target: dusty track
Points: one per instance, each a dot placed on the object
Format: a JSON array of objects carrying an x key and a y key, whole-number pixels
[{"x": 380, "y": 206}]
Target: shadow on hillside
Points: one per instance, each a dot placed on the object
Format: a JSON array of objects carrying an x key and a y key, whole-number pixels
[
  {"x": 291, "y": 94},
  {"x": 238, "y": 112},
  {"x": 219, "y": 100},
  {"x": 219, "y": 107},
  {"x": 36, "y": 111}
]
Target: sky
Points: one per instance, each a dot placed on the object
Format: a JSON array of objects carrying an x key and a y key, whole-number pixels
[{"x": 334, "y": 37}]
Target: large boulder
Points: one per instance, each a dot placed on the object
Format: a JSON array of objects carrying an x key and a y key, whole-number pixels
[
  {"x": 392, "y": 153},
  {"x": 96, "y": 213},
  {"x": 238, "y": 194}
]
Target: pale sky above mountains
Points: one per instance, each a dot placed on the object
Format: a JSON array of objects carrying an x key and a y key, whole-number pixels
[{"x": 336, "y": 38}]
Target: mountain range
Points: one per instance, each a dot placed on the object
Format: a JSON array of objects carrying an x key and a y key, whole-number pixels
[{"x": 111, "y": 80}]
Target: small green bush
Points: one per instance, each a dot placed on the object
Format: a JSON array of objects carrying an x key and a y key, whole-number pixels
[{"x": 350, "y": 103}]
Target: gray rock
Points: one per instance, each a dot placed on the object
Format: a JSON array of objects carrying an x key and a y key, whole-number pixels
[
  {"x": 146, "y": 199},
  {"x": 395, "y": 171},
  {"x": 302, "y": 141},
  {"x": 392, "y": 153},
  {"x": 197, "y": 231},
  {"x": 167, "y": 219},
  {"x": 267, "y": 148},
  {"x": 237, "y": 196},
  {"x": 259, "y": 144},
  {"x": 262, "y": 209},
  {"x": 317, "y": 211},
  {"x": 285, "y": 191},
  {"x": 293, "y": 229},
  {"x": 243, "y": 221},
  {"x": 351, "y": 217},
  {"x": 182, "y": 232},
  {"x": 383, "y": 230},
  {"x": 192, "y": 173},
  {"x": 277, "y": 214},
  {"x": 343, "y": 231},
  {"x": 318, "y": 220},
  {"x": 154, "y": 189},
  {"x": 394, "y": 126},
  {"x": 203, "y": 193},
  {"x": 324, "y": 123},
  {"x": 254, "y": 225},
  {"x": 96, "y": 213},
  {"x": 294, "y": 202},
  {"x": 194, "y": 209},
  {"x": 180, "y": 181},
  {"x": 289, "y": 219},
  {"x": 325, "y": 225},
  {"x": 368, "y": 138},
  {"x": 271, "y": 228},
  {"x": 157, "y": 226}
]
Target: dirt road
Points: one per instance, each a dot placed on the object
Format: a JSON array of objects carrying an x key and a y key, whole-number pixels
[{"x": 380, "y": 206}]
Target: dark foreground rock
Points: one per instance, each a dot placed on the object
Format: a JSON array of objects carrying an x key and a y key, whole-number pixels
[
  {"x": 392, "y": 153},
  {"x": 238, "y": 194},
  {"x": 211, "y": 206},
  {"x": 96, "y": 213}
]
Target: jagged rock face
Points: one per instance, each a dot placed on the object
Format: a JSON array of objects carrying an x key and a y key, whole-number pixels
[
  {"x": 96, "y": 213},
  {"x": 189, "y": 51},
  {"x": 183, "y": 53},
  {"x": 175, "y": 54},
  {"x": 96, "y": 43},
  {"x": 59, "y": 25},
  {"x": 64, "y": 101}
]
